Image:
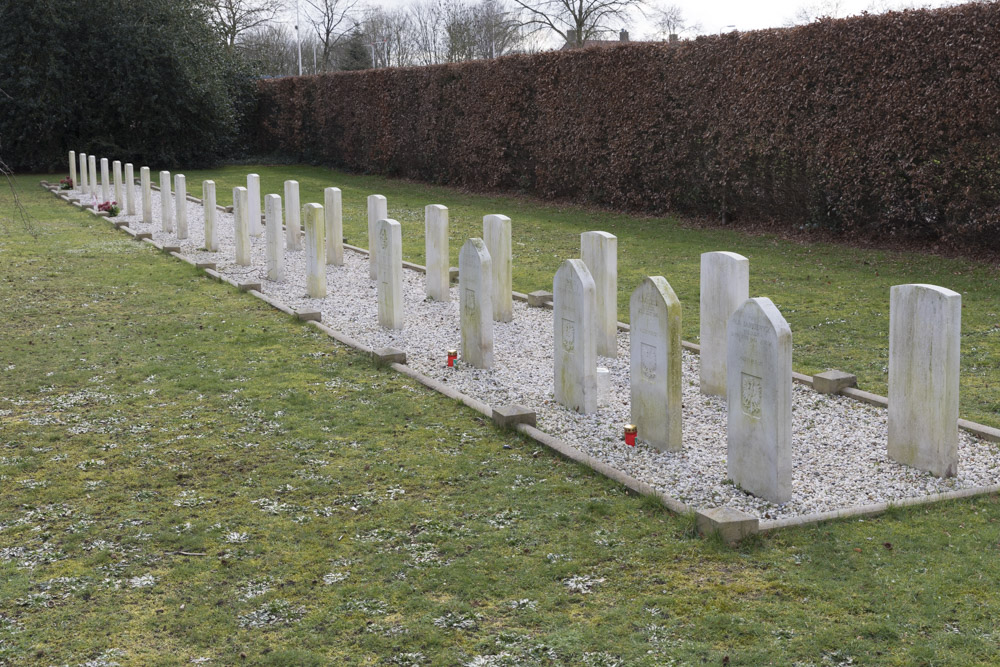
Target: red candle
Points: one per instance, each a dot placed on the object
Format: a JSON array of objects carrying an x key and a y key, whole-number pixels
[
  {"x": 452, "y": 356},
  {"x": 630, "y": 431}
]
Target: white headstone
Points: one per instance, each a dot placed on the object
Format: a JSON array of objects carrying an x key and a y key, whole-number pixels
[
  {"x": 242, "y": 225},
  {"x": 92, "y": 179},
  {"x": 293, "y": 226},
  {"x": 116, "y": 172},
  {"x": 84, "y": 187},
  {"x": 475, "y": 303},
  {"x": 599, "y": 251},
  {"x": 166, "y": 208},
  {"x": 655, "y": 363},
  {"x": 129, "y": 189},
  {"x": 759, "y": 400},
  {"x": 275, "y": 244},
  {"x": 389, "y": 278},
  {"x": 438, "y": 277},
  {"x": 316, "y": 250},
  {"x": 334, "y": 212},
  {"x": 925, "y": 331},
  {"x": 180, "y": 205},
  {"x": 208, "y": 199},
  {"x": 378, "y": 209},
  {"x": 105, "y": 181},
  {"x": 72, "y": 170},
  {"x": 725, "y": 286},
  {"x": 574, "y": 298},
  {"x": 496, "y": 233},
  {"x": 253, "y": 199},
  {"x": 147, "y": 195}
]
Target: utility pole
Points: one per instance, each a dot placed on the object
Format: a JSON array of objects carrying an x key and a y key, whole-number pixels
[{"x": 298, "y": 42}]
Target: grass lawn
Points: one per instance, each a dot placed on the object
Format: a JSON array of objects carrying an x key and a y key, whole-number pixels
[
  {"x": 835, "y": 298},
  {"x": 188, "y": 474}
]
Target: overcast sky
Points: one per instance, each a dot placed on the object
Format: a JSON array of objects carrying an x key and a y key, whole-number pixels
[{"x": 719, "y": 15}]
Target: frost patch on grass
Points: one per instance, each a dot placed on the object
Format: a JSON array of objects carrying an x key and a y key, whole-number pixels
[
  {"x": 582, "y": 583},
  {"x": 274, "y": 612},
  {"x": 454, "y": 621}
]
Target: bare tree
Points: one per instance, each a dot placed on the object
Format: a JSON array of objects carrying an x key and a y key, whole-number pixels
[
  {"x": 669, "y": 20},
  {"x": 388, "y": 33},
  {"x": 272, "y": 49},
  {"x": 497, "y": 28},
  {"x": 577, "y": 20},
  {"x": 332, "y": 21},
  {"x": 818, "y": 9},
  {"x": 428, "y": 26},
  {"x": 232, "y": 18}
]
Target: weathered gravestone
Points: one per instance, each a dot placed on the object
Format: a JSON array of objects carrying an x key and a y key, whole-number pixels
[
  {"x": 389, "y": 279},
  {"x": 475, "y": 303},
  {"x": 72, "y": 170},
  {"x": 84, "y": 186},
  {"x": 166, "y": 210},
  {"x": 147, "y": 195},
  {"x": 599, "y": 251},
  {"x": 275, "y": 244},
  {"x": 180, "y": 205},
  {"x": 378, "y": 209},
  {"x": 925, "y": 330},
  {"x": 116, "y": 173},
  {"x": 208, "y": 199},
  {"x": 334, "y": 212},
  {"x": 129, "y": 189},
  {"x": 725, "y": 286},
  {"x": 496, "y": 234},
  {"x": 105, "y": 180},
  {"x": 655, "y": 363},
  {"x": 315, "y": 247},
  {"x": 759, "y": 400},
  {"x": 241, "y": 226},
  {"x": 253, "y": 200},
  {"x": 293, "y": 226},
  {"x": 92, "y": 179},
  {"x": 575, "y": 346},
  {"x": 438, "y": 277}
]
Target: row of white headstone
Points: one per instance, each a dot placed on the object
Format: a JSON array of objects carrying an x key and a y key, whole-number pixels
[
  {"x": 746, "y": 344},
  {"x": 85, "y": 181}
]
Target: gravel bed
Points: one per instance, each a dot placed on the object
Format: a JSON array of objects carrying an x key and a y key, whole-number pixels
[{"x": 838, "y": 444}]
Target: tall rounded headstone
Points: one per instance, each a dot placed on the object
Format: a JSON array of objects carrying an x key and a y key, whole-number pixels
[
  {"x": 389, "y": 278},
  {"x": 166, "y": 210},
  {"x": 129, "y": 189},
  {"x": 105, "y": 181},
  {"x": 599, "y": 251},
  {"x": 655, "y": 363},
  {"x": 315, "y": 247},
  {"x": 475, "y": 302},
  {"x": 759, "y": 400},
  {"x": 180, "y": 205},
  {"x": 84, "y": 185},
  {"x": 274, "y": 243},
  {"x": 116, "y": 174},
  {"x": 438, "y": 276},
  {"x": 242, "y": 226},
  {"x": 208, "y": 199},
  {"x": 72, "y": 170},
  {"x": 253, "y": 202},
  {"x": 725, "y": 286},
  {"x": 92, "y": 179},
  {"x": 147, "y": 195},
  {"x": 925, "y": 332},
  {"x": 575, "y": 347},
  {"x": 496, "y": 234},
  {"x": 293, "y": 226},
  {"x": 378, "y": 209},
  {"x": 334, "y": 212}
]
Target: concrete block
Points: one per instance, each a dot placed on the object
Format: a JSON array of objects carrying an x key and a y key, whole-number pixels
[
  {"x": 832, "y": 382},
  {"x": 509, "y": 415},
  {"x": 539, "y": 299},
  {"x": 121, "y": 223},
  {"x": 389, "y": 355},
  {"x": 453, "y": 274},
  {"x": 204, "y": 265},
  {"x": 309, "y": 315},
  {"x": 171, "y": 248},
  {"x": 246, "y": 287},
  {"x": 732, "y": 525},
  {"x": 143, "y": 235}
]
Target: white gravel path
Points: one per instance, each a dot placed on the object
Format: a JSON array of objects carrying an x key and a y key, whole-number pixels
[{"x": 839, "y": 444}]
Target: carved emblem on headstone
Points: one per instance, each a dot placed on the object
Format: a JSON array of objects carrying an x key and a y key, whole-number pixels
[
  {"x": 384, "y": 238},
  {"x": 647, "y": 361},
  {"x": 568, "y": 335},
  {"x": 750, "y": 395},
  {"x": 470, "y": 300}
]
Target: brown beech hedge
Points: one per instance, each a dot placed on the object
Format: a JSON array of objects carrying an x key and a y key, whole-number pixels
[{"x": 878, "y": 125}]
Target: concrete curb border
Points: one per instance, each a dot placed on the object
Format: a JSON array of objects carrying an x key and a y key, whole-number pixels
[{"x": 568, "y": 451}]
